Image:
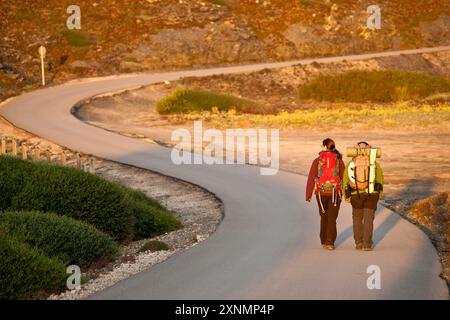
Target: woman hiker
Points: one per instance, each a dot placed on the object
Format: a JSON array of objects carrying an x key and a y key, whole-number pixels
[{"x": 325, "y": 177}]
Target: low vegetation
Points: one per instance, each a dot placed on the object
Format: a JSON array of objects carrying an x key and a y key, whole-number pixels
[
  {"x": 109, "y": 207},
  {"x": 154, "y": 245},
  {"x": 433, "y": 214},
  {"x": 71, "y": 241},
  {"x": 373, "y": 86},
  {"x": 26, "y": 272},
  {"x": 395, "y": 116},
  {"x": 188, "y": 100},
  {"x": 53, "y": 216},
  {"x": 76, "y": 38}
]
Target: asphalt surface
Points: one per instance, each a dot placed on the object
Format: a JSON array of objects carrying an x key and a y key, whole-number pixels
[{"x": 267, "y": 246}]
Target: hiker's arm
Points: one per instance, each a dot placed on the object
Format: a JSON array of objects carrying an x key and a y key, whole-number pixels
[
  {"x": 345, "y": 181},
  {"x": 379, "y": 179},
  {"x": 341, "y": 169},
  {"x": 310, "y": 184}
]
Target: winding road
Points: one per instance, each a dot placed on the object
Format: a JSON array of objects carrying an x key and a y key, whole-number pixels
[{"x": 267, "y": 246}]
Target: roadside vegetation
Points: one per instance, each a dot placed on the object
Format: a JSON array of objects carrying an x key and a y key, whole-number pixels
[
  {"x": 187, "y": 100},
  {"x": 433, "y": 215},
  {"x": 373, "y": 86},
  {"x": 53, "y": 216},
  {"x": 393, "y": 116},
  {"x": 154, "y": 245}
]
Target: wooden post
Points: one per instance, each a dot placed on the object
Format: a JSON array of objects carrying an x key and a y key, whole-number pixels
[
  {"x": 48, "y": 155},
  {"x": 24, "y": 151},
  {"x": 14, "y": 147},
  {"x": 3, "y": 146},
  {"x": 91, "y": 164},
  {"x": 63, "y": 158},
  {"x": 78, "y": 161},
  {"x": 37, "y": 153}
]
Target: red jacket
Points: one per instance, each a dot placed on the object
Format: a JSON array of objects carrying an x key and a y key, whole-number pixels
[{"x": 313, "y": 172}]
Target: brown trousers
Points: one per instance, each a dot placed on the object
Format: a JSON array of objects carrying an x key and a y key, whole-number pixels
[
  {"x": 364, "y": 207},
  {"x": 328, "y": 231}
]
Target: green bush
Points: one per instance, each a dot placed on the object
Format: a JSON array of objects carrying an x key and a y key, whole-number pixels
[
  {"x": 68, "y": 191},
  {"x": 373, "y": 86},
  {"x": 154, "y": 245},
  {"x": 186, "y": 100},
  {"x": 73, "y": 242},
  {"x": 25, "y": 271},
  {"x": 110, "y": 207},
  {"x": 76, "y": 38},
  {"x": 151, "y": 219}
]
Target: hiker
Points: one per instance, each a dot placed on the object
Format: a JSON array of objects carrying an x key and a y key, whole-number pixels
[
  {"x": 325, "y": 177},
  {"x": 362, "y": 188}
]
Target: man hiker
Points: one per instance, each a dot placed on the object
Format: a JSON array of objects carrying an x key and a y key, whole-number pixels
[{"x": 363, "y": 185}]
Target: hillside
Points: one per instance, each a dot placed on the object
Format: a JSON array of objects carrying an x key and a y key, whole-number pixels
[{"x": 137, "y": 35}]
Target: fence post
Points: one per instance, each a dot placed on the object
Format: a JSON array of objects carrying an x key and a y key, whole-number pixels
[
  {"x": 48, "y": 155},
  {"x": 14, "y": 147},
  {"x": 3, "y": 145},
  {"x": 78, "y": 161},
  {"x": 37, "y": 153},
  {"x": 24, "y": 151},
  {"x": 63, "y": 158},
  {"x": 91, "y": 164}
]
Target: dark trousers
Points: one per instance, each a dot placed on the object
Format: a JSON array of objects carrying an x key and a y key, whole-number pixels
[
  {"x": 364, "y": 207},
  {"x": 328, "y": 231}
]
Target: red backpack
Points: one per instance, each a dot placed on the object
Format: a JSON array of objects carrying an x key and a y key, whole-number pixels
[{"x": 328, "y": 181}]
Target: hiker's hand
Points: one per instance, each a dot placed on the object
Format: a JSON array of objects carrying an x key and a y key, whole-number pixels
[
  {"x": 309, "y": 200},
  {"x": 347, "y": 200}
]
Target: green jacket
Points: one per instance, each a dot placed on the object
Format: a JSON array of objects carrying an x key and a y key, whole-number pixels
[{"x": 378, "y": 178}]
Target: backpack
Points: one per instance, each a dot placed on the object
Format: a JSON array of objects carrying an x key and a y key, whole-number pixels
[
  {"x": 328, "y": 180},
  {"x": 359, "y": 172}
]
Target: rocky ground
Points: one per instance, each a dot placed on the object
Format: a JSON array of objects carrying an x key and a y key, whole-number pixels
[
  {"x": 141, "y": 35},
  {"x": 199, "y": 211}
]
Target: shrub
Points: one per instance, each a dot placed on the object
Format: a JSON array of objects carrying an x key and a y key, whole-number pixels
[
  {"x": 25, "y": 270},
  {"x": 186, "y": 100},
  {"x": 73, "y": 242},
  {"x": 374, "y": 86},
  {"x": 76, "y": 38},
  {"x": 154, "y": 245},
  {"x": 151, "y": 219},
  {"x": 112, "y": 208},
  {"x": 79, "y": 195}
]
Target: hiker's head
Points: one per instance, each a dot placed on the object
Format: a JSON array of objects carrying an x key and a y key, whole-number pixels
[
  {"x": 329, "y": 145},
  {"x": 362, "y": 144}
]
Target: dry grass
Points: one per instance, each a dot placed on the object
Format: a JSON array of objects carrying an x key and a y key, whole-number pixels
[{"x": 397, "y": 116}]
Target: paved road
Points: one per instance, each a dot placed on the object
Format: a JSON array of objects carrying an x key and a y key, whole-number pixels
[{"x": 267, "y": 245}]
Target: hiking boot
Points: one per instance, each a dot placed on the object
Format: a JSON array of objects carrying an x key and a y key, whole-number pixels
[
  {"x": 358, "y": 246},
  {"x": 367, "y": 248},
  {"x": 329, "y": 247}
]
